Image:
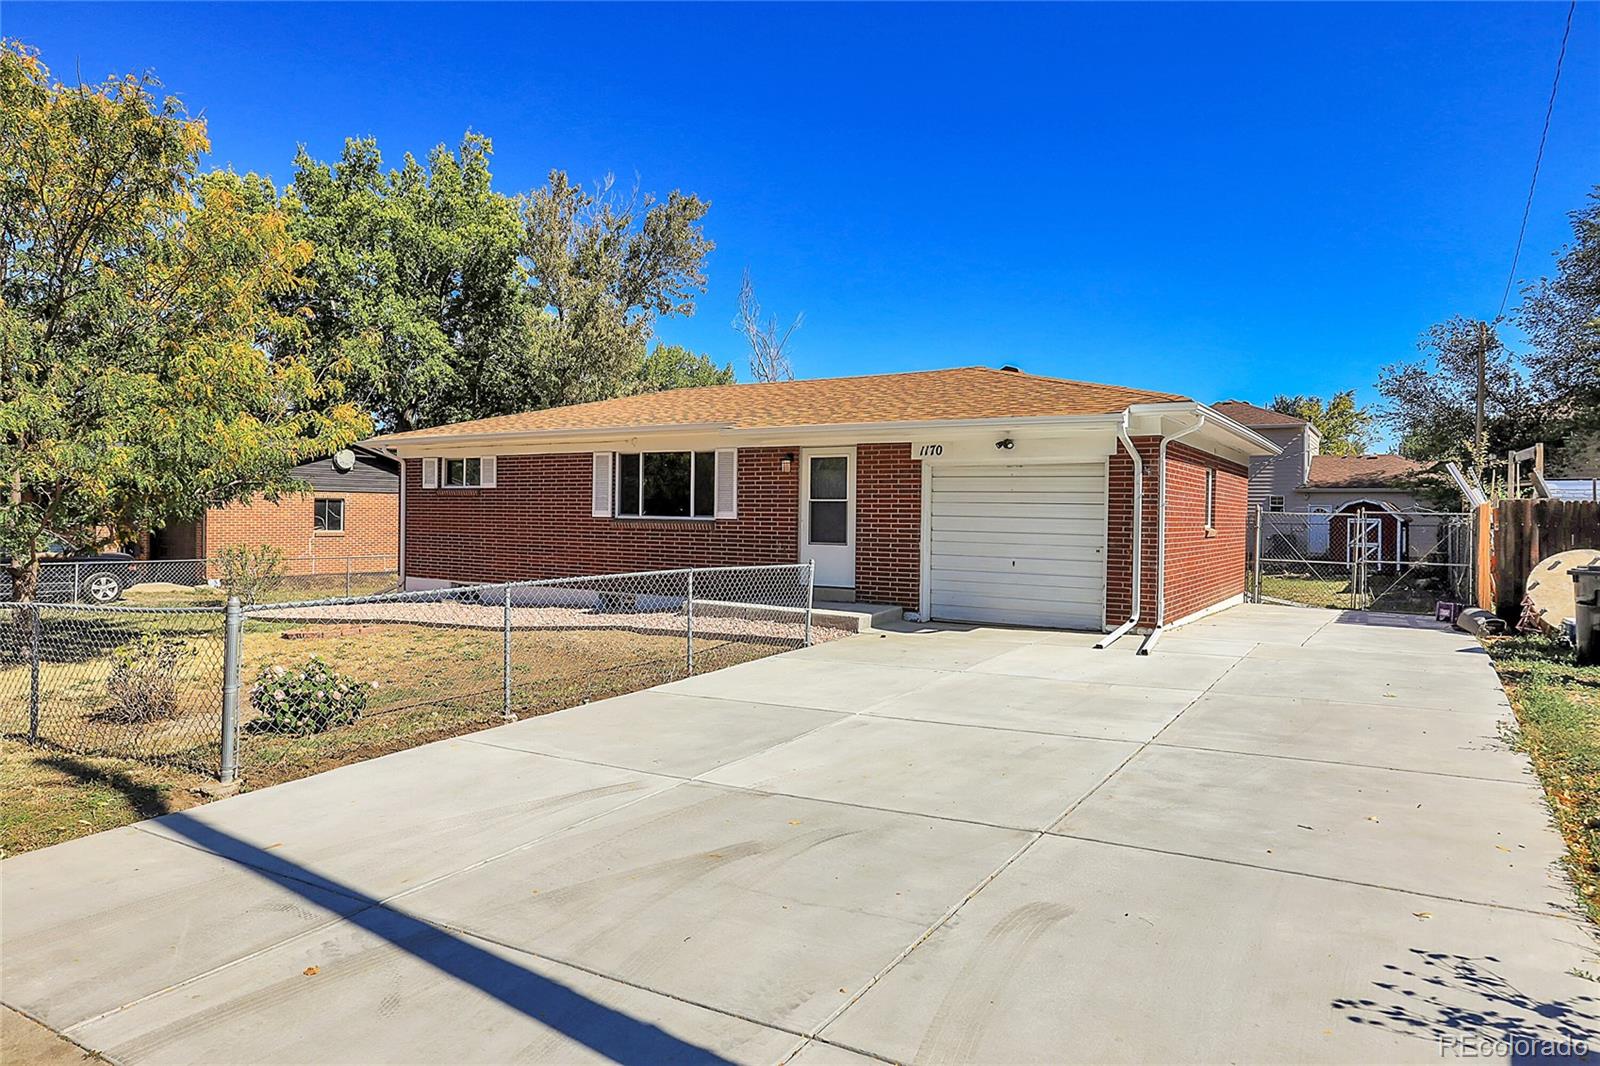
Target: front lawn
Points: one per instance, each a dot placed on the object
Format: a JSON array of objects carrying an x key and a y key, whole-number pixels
[
  {"x": 1558, "y": 724},
  {"x": 422, "y": 680}
]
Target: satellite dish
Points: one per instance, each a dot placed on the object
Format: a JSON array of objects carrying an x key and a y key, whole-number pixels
[{"x": 344, "y": 460}]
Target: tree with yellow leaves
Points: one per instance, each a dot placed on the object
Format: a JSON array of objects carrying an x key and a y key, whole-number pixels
[{"x": 152, "y": 352}]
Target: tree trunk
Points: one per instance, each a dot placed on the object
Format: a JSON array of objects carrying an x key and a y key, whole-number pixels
[{"x": 24, "y": 579}]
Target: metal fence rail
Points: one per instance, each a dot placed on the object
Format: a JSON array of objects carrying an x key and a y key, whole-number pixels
[
  {"x": 1379, "y": 559},
  {"x": 165, "y": 582},
  {"x": 283, "y": 689}
]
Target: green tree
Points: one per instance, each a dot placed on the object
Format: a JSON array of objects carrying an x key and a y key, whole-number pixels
[
  {"x": 604, "y": 269},
  {"x": 416, "y": 282},
  {"x": 451, "y": 300},
  {"x": 1431, "y": 403},
  {"x": 147, "y": 369},
  {"x": 1346, "y": 427},
  {"x": 672, "y": 366},
  {"x": 1561, "y": 317}
]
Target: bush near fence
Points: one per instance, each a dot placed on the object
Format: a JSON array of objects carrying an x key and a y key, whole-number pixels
[{"x": 428, "y": 664}]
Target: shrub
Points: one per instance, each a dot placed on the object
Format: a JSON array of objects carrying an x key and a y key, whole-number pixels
[
  {"x": 143, "y": 684},
  {"x": 250, "y": 572},
  {"x": 310, "y": 699}
]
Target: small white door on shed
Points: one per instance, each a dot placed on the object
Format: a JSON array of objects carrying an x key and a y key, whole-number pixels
[{"x": 1023, "y": 545}]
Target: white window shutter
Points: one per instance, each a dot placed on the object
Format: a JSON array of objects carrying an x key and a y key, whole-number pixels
[
  {"x": 486, "y": 471},
  {"x": 600, "y": 502},
  {"x": 727, "y": 483},
  {"x": 430, "y": 473}
]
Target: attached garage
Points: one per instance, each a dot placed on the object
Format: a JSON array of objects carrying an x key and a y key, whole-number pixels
[{"x": 1021, "y": 544}]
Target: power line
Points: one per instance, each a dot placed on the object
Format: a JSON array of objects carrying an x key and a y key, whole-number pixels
[{"x": 1538, "y": 158}]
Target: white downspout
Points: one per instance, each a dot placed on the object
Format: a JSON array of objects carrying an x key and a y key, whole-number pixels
[
  {"x": 1161, "y": 537},
  {"x": 1138, "y": 535}
]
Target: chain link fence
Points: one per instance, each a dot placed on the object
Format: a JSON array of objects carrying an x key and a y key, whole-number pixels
[
  {"x": 279, "y": 690},
  {"x": 1362, "y": 559},
  {"x": 183, "y": 582}
]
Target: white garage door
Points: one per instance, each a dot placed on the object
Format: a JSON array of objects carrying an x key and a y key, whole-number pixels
[{"x": 1018, "y": 544}]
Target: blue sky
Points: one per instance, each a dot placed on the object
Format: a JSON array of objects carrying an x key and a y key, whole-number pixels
[{"x": 1209, "y": 199}]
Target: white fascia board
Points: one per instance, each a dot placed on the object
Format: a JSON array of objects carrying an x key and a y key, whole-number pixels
[
  {"x": 1220, "y": 430},
  {"x": 710, "y": 434}
]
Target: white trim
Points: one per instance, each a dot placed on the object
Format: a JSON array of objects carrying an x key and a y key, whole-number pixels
[
  {"x": 849, "y": 456},
  {"x": 727, "y": 461},
  {"x": 400, "y": 554},
  {"x": 925, "y": 577},
  {"x": 1215, "y": 608},
  {"x": 602, "y": 471}
]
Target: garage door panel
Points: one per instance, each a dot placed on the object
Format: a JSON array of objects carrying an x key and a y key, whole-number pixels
[
  {"x": 1020, "y": 566},
  {"x": 972, "y": 524},
  {"x": 1027, "y": 615},
  {"x": 1080, "y": 548},
  {"x": 1080, "y": 544},
  {"x": 1064, "y": 586},
  {"x": 1084, "y": 498},
  {"x": 1022, "y": 545},
  {"x": 1052, "y": 510}
]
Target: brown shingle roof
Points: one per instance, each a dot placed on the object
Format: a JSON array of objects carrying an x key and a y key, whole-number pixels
[
  {"x": 1361, "y": 471},
  {"x": 930, "y": 395},
  {"x": 1248, "y": 414}
]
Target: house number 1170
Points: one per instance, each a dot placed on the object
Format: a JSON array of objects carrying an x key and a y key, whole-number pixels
[{"x": 930, "y": 450}]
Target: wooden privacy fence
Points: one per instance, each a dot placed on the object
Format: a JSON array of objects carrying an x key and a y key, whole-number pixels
[{"x": 1520, "y": 533}]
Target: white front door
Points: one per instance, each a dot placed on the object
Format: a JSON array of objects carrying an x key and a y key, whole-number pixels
[{"x": 828, "y": 515}]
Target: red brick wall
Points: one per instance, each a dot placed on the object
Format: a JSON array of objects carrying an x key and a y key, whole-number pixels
[
  {"x": 888, "y": 525},
  {"x": 1119, "y": 534},
  {"x": 537, "y": 523},
  {"x": 371, "y": 529},
  {"x": 1203, "y": 568}
]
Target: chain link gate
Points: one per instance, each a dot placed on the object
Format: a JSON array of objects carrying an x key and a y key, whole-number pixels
[{"x": 1361, "y": 558}]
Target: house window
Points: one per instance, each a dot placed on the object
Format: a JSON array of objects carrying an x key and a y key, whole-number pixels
[
  {"x": 1211, "y": 498},
  {"x": 463, "y": 473},
  {"x": 327, "y": 516},
  {"x": 1274, "y": 503},
  {"x": 667, "y": 484}
]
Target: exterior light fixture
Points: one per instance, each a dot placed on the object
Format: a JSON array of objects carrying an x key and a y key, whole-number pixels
[
  {"x": 788, "y": 462},
  {"x": 1005, "y": 445}
]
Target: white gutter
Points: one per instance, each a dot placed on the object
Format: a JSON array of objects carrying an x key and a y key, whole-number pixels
[
  {"x": 1138, "y": 536},
  {"x": 895, "y": 430},
  {"x": 1161, "y": 535}
]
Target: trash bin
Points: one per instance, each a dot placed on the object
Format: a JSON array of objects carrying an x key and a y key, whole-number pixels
[{"x": 1586, "y": 611}]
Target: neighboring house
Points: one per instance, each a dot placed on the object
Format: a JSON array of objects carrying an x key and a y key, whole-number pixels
[
  {"x": 966, "y": 495},
  {"x": 349, "y": 511},
  {"x": 1327, "y": 494}
]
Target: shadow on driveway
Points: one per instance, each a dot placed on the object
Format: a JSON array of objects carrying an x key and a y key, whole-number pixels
[{"x": 608, "y": 1032}]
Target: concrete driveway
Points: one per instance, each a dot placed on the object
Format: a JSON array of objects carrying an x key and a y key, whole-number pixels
[{"x": 1287, "y": 834}]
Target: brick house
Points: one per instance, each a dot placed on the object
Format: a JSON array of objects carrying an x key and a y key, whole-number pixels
[
  {"x": 971, "y": 494},
  {"x": 349, "y": 512}
]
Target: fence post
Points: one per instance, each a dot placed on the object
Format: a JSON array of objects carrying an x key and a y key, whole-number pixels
[
  {"x": 77, "y": 582},
  {"x": 347, "y": 577},
  {"x": 33, "y": 672},
  {"x": 1256, "y": 568},
  {"x": 232, "y": 630},
  {"x": 505, "y": 656},
  {"x": 688, "y": 630},
  {"x": 811, "y": 589}
]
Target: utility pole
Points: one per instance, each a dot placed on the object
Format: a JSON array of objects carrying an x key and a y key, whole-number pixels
[{"x": 1479, "y": 446}]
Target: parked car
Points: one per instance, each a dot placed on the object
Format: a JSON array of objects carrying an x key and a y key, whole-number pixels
[{"x": 102, "y": 577}]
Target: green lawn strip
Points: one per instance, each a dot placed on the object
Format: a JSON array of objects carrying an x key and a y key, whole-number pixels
[
  {"x": 1557, "y": 704},
  {"x": 47, "y": 796}
]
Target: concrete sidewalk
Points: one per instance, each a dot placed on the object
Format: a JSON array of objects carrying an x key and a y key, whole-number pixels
[{"x": 1287, "y": 834}]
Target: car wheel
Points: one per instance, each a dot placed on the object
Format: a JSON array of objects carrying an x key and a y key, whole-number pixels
[{"x": 101, "y": 588}]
